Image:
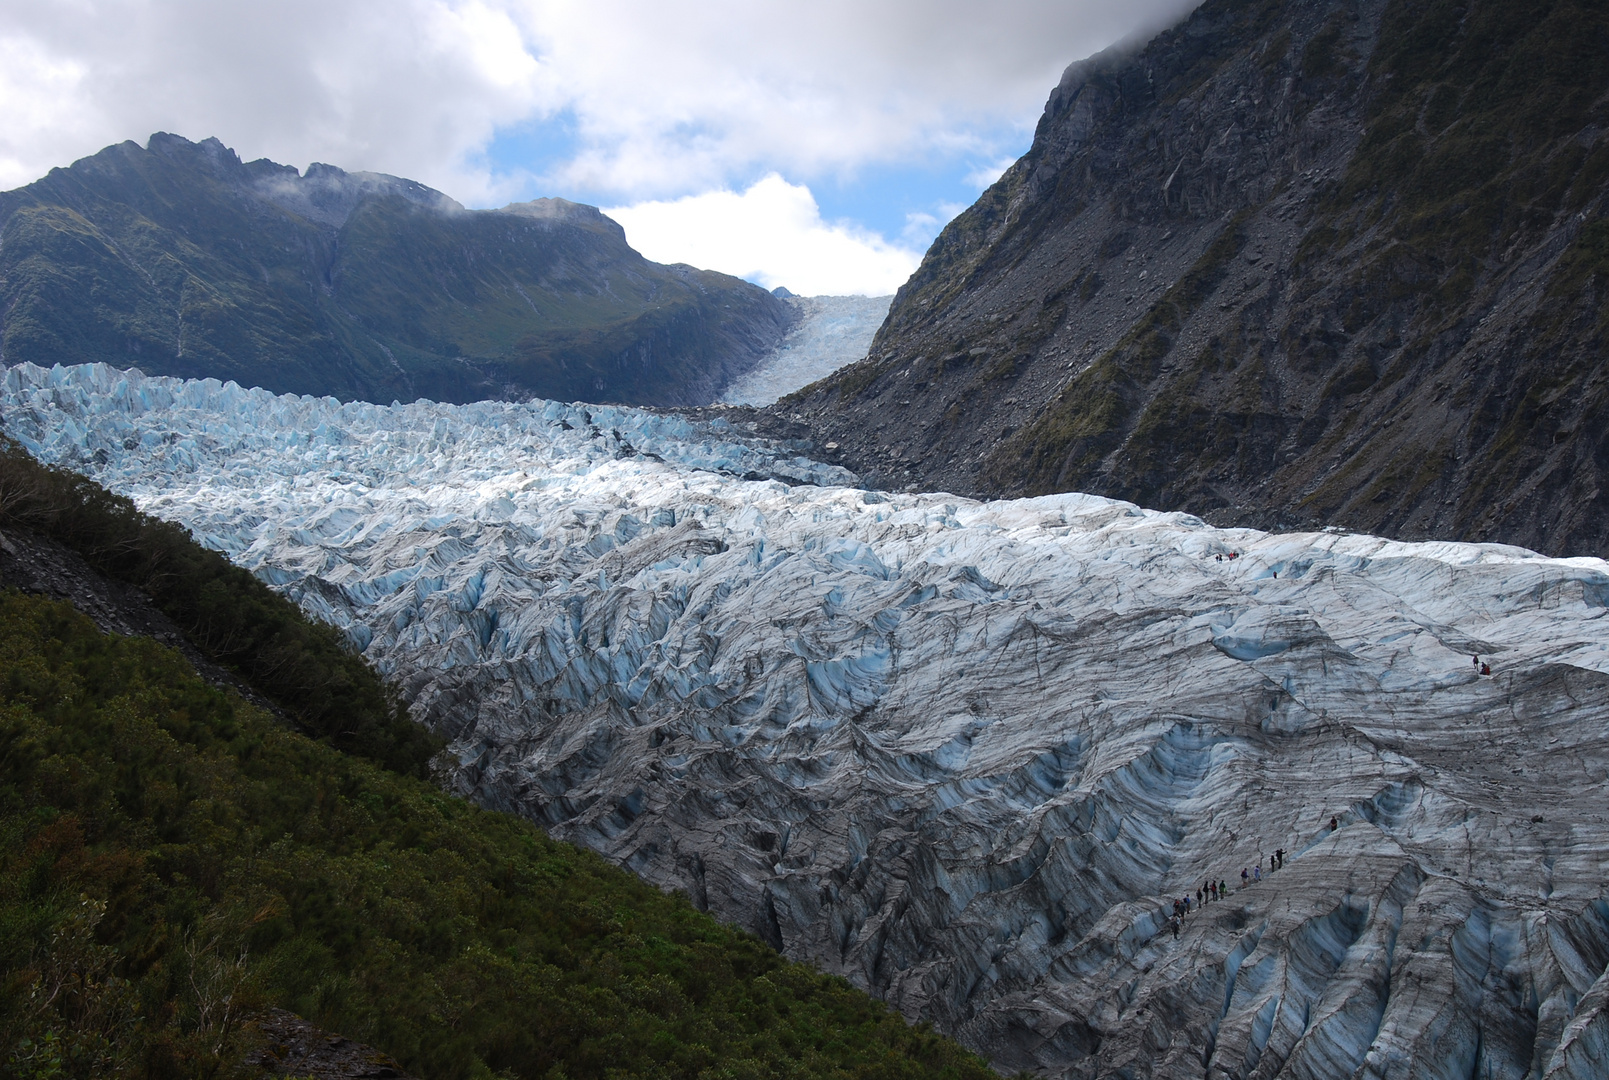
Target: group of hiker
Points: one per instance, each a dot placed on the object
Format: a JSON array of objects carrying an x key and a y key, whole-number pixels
[
  {"x": 1481, "y": 667},
  {"x": 1231, "y": 556},
  {"x": 1218, "y": 890}
]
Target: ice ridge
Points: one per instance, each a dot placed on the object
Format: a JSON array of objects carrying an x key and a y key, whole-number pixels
[{"x": 967, "y": 754}]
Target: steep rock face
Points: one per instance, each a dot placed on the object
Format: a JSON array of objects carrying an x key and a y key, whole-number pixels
[
  {"x": 185, "y": 261},
  {"x": 1313, "y": 261},
  {"x": 964, "y": 753}
]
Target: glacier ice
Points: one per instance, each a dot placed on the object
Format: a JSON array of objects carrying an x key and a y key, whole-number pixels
[
  {"x": 964, "y": 753},
  {"x": 832, "y": 331}
]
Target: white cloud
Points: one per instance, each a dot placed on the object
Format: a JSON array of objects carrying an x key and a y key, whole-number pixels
[
  {"x": 663, "y": 99},
  {"x": 772, "y": 233},
  {"x": 415, "y": 87},
  {"x": 985, "y": 175},
  {"x": 668, "y": 97},
  {"x": 671, "y": 97},
  {"x": 47, "y": 87}
]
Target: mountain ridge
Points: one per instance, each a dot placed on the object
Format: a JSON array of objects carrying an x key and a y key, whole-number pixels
[{"x": 184, "y": 260}]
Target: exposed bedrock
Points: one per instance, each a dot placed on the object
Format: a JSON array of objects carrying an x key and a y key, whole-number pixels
[{"x": 966, "y": 754}]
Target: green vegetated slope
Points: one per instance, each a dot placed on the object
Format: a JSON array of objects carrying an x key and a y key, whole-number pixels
[
  {"x": 1294, "y": 262},
  {"x": 182, "y": 260},
  {"x": 304, "y": 667},
  {"x": 173, "y": 858}
]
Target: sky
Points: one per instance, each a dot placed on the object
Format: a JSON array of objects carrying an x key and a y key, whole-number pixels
[{"x": 816, "y": 146}]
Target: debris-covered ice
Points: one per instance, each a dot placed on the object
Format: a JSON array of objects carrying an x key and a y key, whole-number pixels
[{"x": 967, "y": 754}]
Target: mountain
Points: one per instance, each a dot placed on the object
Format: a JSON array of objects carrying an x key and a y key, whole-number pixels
[
  {"x": 966, "y": 755},
  {"x": 183, "y": 260},
  {"x": 1303, "y": 262}
]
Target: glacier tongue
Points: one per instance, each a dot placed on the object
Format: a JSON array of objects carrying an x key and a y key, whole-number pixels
[
  {"x": 832, "y": 331},
  {"x": 964, "y": 753}
]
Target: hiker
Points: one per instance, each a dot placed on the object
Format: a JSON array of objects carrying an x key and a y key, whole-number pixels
[
  {"x": 1334, "y": 824},
  {"x": 1175, "y": 922},
  {"x": 1201, "y": 897},
  {"x": 1257, "y": 873},
  {"x": 1477, "y": 662},
  {"x": 1279, "y": 858},
  {"x": 1223, "y": 888},
  {"x": 1486, "y": 669},
  {"x": 1245, "y": 877}
]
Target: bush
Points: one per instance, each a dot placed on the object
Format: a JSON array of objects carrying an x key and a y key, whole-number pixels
[{"x": 303, "y": 666}]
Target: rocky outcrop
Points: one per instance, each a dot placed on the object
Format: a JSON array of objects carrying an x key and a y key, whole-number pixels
[
  {"x": 1292, "y": 263},
  {"x": 295, "y": 1048},
  {"x": 966, "y": 754},
  {"x": 184, "y": 260}
]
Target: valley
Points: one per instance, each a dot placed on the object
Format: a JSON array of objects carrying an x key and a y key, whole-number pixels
[
  {"x": 1167, "y": 638},
  {"x": 965, "y": 754}
]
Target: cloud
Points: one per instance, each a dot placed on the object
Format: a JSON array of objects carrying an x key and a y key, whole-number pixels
[
  {"x": 985, "y": 175},
  {"x": 666, "y": 98},
  {"x": 771, "y": 233},
  {"x": 637, "y": 102},
  {"x": 672, "y": 97},
  {"x": 415, "y": 87}
]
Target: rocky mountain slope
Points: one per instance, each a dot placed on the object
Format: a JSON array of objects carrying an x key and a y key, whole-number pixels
[
  {"x": 1310, "y": 261},
  {"x": 967, "y": 754},
  {"x": 183, "y": 260}
]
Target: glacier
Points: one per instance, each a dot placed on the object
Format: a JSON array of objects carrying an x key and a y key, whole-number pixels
[
  {"x": 966, "y": 754},
  {"x": 832, "y": 331}
]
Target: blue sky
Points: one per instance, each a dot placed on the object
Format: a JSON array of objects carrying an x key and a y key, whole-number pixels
[
  {"x": 881, "y": 196},
  {"x": 906, "y": 203}
]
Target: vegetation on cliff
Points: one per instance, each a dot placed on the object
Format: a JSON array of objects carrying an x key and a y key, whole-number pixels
[{"x": 174, "y": 860}]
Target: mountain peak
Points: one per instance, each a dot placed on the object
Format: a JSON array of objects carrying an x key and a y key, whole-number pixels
[
  {"x": 181, "y": 259},
  {"x": 327, "y": 194}
]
